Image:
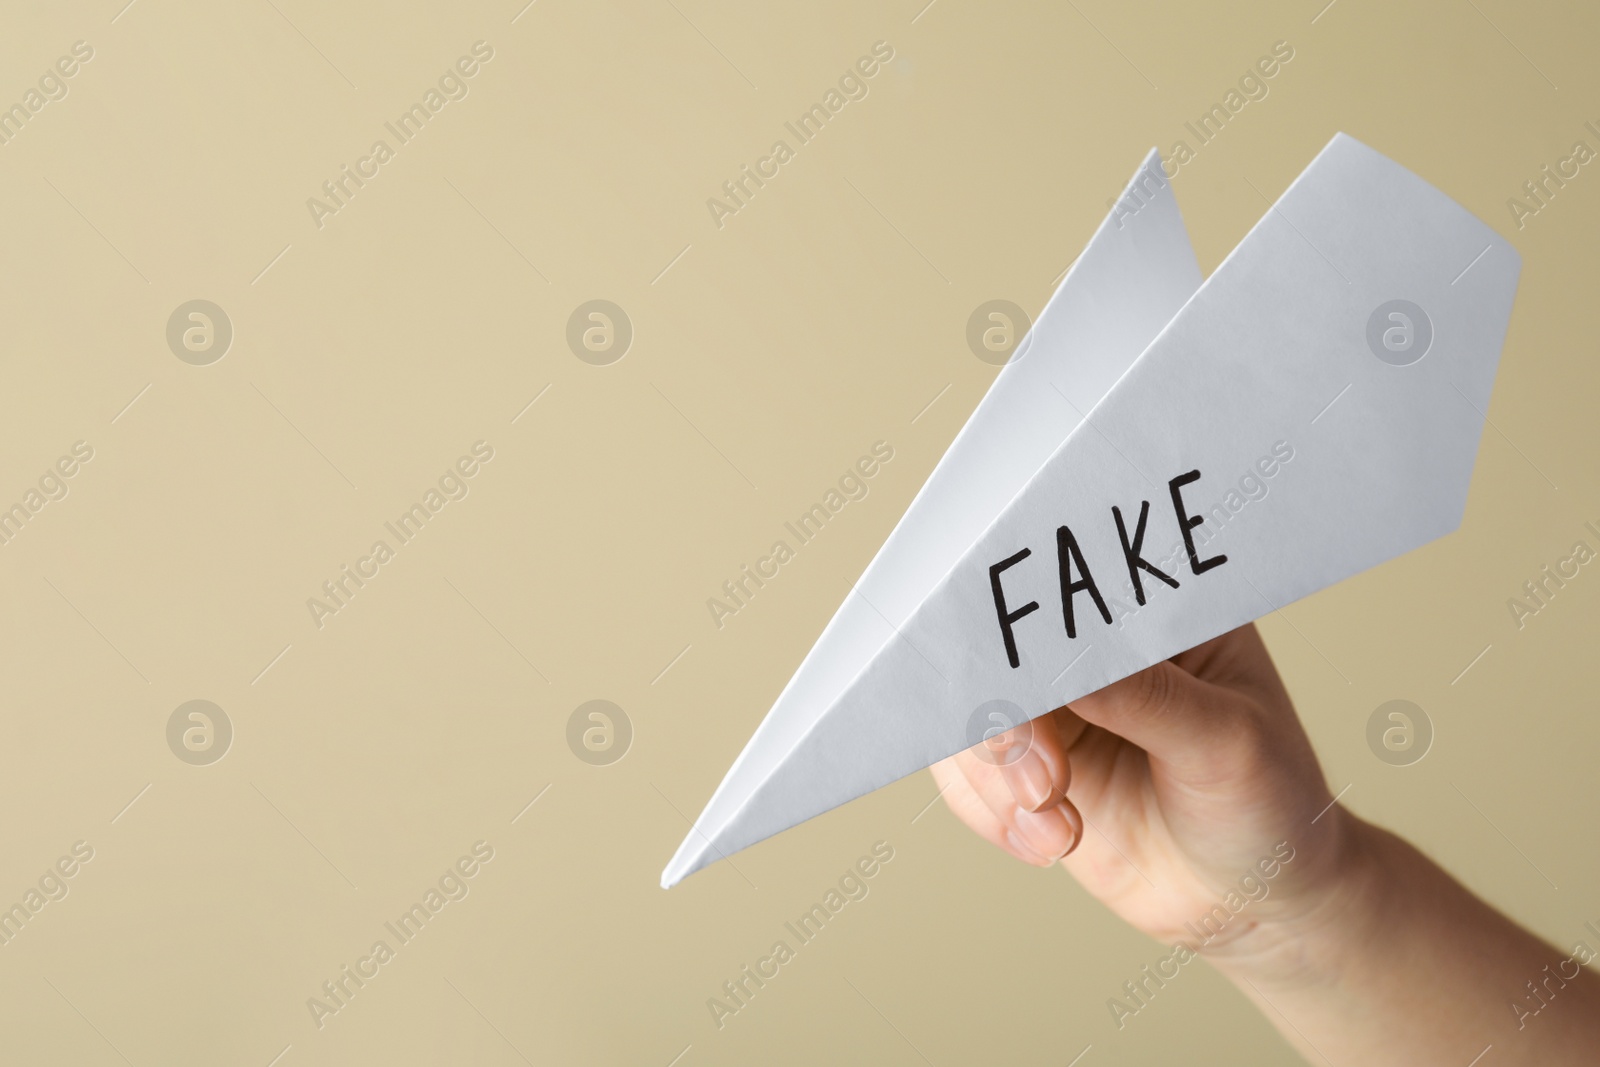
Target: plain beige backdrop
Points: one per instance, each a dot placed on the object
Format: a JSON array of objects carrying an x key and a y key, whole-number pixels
[{"x": 371, "y": 351}]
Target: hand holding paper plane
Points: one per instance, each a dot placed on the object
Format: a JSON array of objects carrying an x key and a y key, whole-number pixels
[{"x": 1074, "y": 532}]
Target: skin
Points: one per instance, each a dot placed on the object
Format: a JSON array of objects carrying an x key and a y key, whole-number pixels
[{"x": 1159, "y": 792}]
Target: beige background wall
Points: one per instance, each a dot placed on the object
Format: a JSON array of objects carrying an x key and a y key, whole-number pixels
[{"x": 371, "y": 352}]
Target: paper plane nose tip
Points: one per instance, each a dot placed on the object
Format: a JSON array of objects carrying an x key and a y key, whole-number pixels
[
  {"x": 689, "y": 858},
  {"x": 673, "y": 873}
]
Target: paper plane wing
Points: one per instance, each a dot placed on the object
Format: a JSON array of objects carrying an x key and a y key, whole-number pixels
[
  {"x": 1310, "y": 411},
  {"x": 1133, "y": 276}
]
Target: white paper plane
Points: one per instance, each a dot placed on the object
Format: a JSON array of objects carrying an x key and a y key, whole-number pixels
[{"x": 1108, "y": 505}]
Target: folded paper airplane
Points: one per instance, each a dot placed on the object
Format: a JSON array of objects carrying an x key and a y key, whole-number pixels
[{"x": 1107, "y": 505}]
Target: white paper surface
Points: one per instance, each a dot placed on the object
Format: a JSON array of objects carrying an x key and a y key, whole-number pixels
[
  {"x": 1127, "y": 285},
  {"x": 1271, "y": 357}
]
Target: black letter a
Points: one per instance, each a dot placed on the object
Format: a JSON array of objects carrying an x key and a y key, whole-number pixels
[{"x": 1067, "y": 554}]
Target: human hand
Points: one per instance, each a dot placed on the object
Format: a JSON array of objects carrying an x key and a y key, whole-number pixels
[{"x": 1188, "y": 775}]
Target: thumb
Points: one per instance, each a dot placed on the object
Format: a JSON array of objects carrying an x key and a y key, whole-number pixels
[{"x": 1198, "y": 730}]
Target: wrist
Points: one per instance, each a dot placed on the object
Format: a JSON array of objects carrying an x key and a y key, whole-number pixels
[{"x": 1317, "y": 936}]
